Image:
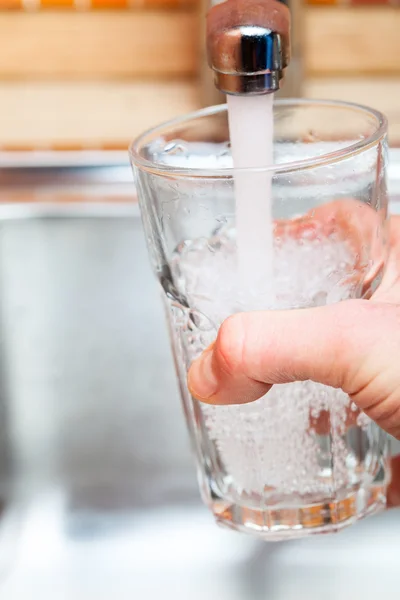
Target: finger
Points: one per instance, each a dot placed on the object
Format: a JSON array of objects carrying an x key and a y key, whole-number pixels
[
  {"x": 351, "y": 221},
  {"x": 353, "y": 345},
  {"x": 389, "y": 290},
  {"x": 347, "y": 219},
  {"x": 393, "y": 493},
  {"x": 322, "y": 423}
]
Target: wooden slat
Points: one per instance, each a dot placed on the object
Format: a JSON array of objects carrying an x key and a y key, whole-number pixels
[
  {"x": 97, "y": 44},
  {"x": 345, "y": 40},
  {"x": 11, "y": 4},
  {"x": 383, "y": 95},
  {"x": 56, "y": 4},
  {"x": 92, "y": 4},
  {"x": 48, "y": 196},
  {"x": 89, "y": 115}
]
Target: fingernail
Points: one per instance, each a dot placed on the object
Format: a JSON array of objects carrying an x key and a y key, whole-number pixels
[{"x": 202, "y": 381}]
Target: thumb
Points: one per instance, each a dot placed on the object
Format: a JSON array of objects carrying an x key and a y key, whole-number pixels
[{"x": 353, "y": 345}]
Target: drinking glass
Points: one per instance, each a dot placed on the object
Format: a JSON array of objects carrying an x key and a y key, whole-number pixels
[{"x": 303, "y": 459}]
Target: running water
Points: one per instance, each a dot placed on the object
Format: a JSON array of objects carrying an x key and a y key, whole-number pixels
[{"x": 251, "y": 136}]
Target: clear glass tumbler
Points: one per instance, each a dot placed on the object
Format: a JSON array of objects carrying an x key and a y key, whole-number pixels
[{"x": 302, "y": 459}]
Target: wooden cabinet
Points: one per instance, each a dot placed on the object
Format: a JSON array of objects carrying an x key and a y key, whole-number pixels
[{"x": 74, "y": 76}]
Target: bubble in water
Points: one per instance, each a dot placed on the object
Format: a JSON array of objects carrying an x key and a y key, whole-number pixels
[
  {"x": 201, "y": 321},
  {"x": 225, "y": 150},
  {"x": 278, "y": 442},
  {"x": 176, "y": 148}
]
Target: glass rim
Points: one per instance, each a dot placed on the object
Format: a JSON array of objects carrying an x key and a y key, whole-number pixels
[{"x": 328, "y": 158}]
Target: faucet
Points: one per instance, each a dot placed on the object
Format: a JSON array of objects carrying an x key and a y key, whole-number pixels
[{"x": 248, "y": 47}]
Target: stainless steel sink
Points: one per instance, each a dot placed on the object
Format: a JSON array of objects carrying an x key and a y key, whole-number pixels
[{"x": 97, "y": 482}]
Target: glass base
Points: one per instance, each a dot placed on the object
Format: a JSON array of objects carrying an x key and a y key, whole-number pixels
[{"x": 275, "y": 524}]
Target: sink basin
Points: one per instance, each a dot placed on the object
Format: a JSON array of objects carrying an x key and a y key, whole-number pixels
[{"x": 98, "y": 492}]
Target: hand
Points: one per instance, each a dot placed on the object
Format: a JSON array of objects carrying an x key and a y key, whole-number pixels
[{"x": 353, "y": 345}]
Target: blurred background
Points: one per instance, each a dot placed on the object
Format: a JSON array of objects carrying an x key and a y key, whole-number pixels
[
  {"x": 94, "y": 73},
  {"x": 98, "y": 494}
]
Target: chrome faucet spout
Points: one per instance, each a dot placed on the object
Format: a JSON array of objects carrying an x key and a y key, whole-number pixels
[{"x": 248, "y": 45}]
